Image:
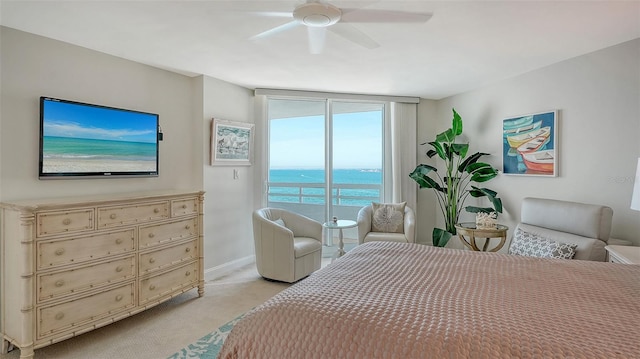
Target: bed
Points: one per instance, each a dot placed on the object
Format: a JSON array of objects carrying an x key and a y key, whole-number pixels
[{"x": 406, "y": 300}]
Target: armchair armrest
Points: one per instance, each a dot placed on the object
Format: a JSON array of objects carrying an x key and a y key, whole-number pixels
[
  {"x": 409, "y": 225},
  {"x": 364, "y": 223}
]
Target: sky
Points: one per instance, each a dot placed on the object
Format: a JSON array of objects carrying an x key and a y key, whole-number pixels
[
  {"x": 298, "y": 142},
  {"x": 62, "y": 119}
]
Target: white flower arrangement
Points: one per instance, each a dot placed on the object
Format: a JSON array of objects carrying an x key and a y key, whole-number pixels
[{"x": 486, "y": 220}]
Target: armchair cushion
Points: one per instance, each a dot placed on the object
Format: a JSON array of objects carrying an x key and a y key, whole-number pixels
[
  {"x": 534, "y": 245},
  {"x": 388, "y": 217},
  {"x": 365, "y": 227}
]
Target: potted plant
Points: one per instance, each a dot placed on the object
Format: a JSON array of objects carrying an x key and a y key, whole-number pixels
[{"x": 454, "y": 187}]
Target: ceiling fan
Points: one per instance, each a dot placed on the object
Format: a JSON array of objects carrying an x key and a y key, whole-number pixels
[{"x": 319, "y": 16}]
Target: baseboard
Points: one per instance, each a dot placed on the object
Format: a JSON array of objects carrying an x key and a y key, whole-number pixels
[{"x": 226, "y": 268}]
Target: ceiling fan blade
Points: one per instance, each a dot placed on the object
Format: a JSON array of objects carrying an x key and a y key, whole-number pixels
[
  {"x": 317, "y": 36},
  {"x": 391, "y": 16},
  {"x": 275, "y": 30},
  {"x": 353, "y": 34},
  {"x": 284, "y": 14}
]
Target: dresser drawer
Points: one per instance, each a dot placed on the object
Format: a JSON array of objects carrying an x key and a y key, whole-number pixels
[
  {"x": 132, "y": 214},
  {"x": 79, "y": 249},
  {"x": 82, "y": 311},
  {"x": 166, "y": 232},
  {"x": 183, "y": 207},
  {"x": 156, "y": 287},
  {"x": 165, "y": 257},
  {"x": 73, "y": 221},
  {"x": 57, "y": 284}
]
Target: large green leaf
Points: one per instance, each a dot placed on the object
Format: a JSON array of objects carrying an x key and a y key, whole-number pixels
[
  {"x": 440, "y": 237},
  {"x": 490, "y": 194},
  {"x": 478, "y": 166},
  {"x": 460, "y": 149},
  {"x": 484, "y": 176},
  {"x": 437, "y": 146},
  {"x": 456, "y": 125},
  {"x": 469, "y": 160},
  {"x": 473, "y": 209},
  {"x": 421, "y": 175},
  {"x": 485, "y": 191},
  {"x": 446, "y": 136}
]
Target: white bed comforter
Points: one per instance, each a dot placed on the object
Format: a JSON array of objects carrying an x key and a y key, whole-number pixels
[{"x": 397, "y": 300}]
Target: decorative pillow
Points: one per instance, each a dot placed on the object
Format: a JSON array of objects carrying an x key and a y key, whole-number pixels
[
  {"x": 388, "y": 217},
  {"x": 534, "y": 245},
  {"x": 563, "y": 250},
  {"x": 279, "y": 221}
]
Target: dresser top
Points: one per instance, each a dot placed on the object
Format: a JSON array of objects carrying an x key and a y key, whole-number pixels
[{"x": 43, "y": 204}]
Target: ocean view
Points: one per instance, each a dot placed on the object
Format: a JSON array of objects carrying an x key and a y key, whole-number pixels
[
  {"x": 311, "y": 190},
  {"x": 68, "y": 147},
  {"x": 73, "y": 155}
]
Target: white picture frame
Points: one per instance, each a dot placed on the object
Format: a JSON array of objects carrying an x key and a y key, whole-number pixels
[{"x": 231, "y": 143}]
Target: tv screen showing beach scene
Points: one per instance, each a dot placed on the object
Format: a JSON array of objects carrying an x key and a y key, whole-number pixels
[{"x": 85, "y": 140}]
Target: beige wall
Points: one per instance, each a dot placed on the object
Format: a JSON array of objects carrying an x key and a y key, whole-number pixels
[
  {"x": 229, "y": 201},
  {"x": 598, "y": 99},
  {"x": 34, "y": 66}
]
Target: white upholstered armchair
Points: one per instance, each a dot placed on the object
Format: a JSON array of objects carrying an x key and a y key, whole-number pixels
[
  {"x": 369, "y": 232},
  {"x": 586, "y": 227},
  {"x": 288, "y": 245}
]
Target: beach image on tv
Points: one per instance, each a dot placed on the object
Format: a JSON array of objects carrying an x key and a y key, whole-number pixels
[{"x": 81, "y": 138}]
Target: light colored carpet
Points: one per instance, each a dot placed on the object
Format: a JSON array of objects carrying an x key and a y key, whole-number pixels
[{"x": 164, "y": 329}]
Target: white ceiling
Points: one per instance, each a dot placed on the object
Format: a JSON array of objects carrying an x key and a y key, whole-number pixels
[{"x": 464, "y": 46}]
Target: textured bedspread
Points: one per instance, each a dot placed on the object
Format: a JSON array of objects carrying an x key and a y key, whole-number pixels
[{"x": 398, "y": 300}]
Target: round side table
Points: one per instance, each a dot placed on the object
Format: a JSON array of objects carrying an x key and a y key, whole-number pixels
[
  {"x": 469, "y": 229},
  {"x": 340, "y": 224}
]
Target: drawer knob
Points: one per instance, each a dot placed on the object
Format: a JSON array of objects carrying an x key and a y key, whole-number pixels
[
  {"x": 152, "y": 287},
  {"x": 59, "y": 316},
  {"x": 118, "y": 240},
  {"x": 113, "y": 216},
  {"x": 187, "y": 227},
  {"x": 152, "y": 260},
  {"x": 188, "y": 273},
  {"x": 151, "y": 235},
  {"x": 188, "y": 249},
  {"x": 184, "y": 206},
  {"x": 119, "y": 297},
  {"x": 119, "y": 269},
  {"x": 66, "y": 221},
  {"x": 59, "y": 251},
  {"x": 59, "y": 283},
  {"x": 155, "y": 210}
]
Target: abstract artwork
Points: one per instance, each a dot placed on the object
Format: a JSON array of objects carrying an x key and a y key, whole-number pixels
[{"x": 529, "y": 145}]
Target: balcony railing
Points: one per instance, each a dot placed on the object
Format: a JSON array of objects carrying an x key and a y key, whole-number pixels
[
  {"x": 343, "y": 194},
  {"x": 309, "y": 199}
]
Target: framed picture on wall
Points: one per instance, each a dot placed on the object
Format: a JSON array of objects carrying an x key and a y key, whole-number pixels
[
  {"x": 530, "y": 144},
  {"x": 231, "y": 143}
]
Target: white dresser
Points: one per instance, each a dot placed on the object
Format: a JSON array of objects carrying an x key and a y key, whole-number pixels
[{"x": 71, "y": 265}]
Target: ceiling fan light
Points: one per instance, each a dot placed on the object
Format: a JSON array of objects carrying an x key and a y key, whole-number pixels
[{"x": 317, "y": 14}]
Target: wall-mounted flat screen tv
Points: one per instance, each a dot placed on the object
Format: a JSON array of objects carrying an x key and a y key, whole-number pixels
[{"x": 80, "y": 140}]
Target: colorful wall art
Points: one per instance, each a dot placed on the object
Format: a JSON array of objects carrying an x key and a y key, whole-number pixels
[{"x": 529, "y": 145}]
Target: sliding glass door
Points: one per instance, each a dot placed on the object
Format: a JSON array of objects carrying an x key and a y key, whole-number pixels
[{"x": 325, "y": 157}]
